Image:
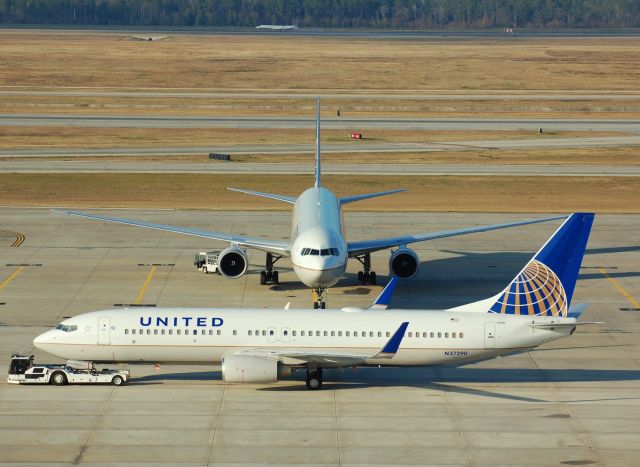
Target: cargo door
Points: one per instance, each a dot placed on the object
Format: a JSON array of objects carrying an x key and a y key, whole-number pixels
[
  {"x": 104, "y": 328},
  {"x": 490, "y": 335}
]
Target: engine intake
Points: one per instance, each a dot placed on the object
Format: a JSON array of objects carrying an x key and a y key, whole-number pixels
[
  {"x": 404, "y": 263},
  {"x": 232, "y": 262},
  {"x": 252, "y": 369}
]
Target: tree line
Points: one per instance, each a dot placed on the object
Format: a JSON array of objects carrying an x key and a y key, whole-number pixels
[{"x": 414, "y": 14}]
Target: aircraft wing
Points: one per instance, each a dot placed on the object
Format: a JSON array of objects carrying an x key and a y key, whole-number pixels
[
  {"x": 329, "y": 359},
  {"x": 368, "y": 246},
  {"x": 272, "y": 246}
]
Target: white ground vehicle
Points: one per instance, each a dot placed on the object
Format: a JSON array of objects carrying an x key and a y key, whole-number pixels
[
  {"x": 207, "y": 261},
  {"x": 23, "y": 371}
]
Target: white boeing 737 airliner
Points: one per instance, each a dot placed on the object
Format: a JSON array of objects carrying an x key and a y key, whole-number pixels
[
  {"x": 261, "y": 346},
  {"x": 318, "y": 247}
]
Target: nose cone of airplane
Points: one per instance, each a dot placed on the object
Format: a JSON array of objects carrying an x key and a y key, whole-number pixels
[{"x": 43, "y": 340}]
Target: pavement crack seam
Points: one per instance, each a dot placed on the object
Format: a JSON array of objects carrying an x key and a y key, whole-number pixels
[
  {"x": 215, "y": 428},
  {"x": 78, "y": 459},
  {"x": 457, "y": 425},
  {"x": 335, "y": 417}
]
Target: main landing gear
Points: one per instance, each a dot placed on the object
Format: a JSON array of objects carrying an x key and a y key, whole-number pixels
[
  {"x": 367, "y": 276},
  {"x": 314, "y": 379},
  {"x": 318, "y": 299},
  {"x": 269, "y": 276}
]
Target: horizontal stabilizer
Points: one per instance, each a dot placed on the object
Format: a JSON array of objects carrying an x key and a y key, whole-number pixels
[
  {"x": 351, "y": 199},
  {"x": 283, "y": 198}
]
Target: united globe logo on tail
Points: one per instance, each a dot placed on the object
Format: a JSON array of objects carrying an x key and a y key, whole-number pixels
[{"x": 536, "y": 291}]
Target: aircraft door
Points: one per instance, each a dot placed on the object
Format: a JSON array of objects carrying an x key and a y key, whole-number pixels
[
  {"x": 285, "y": 335},
  {"x": 490, "y": 335},
  {"x": 104, "y": 329},
  {"x": 271, "y": 335}
]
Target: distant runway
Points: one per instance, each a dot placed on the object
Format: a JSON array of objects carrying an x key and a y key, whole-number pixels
[
  {"x": 347, "y": 147},
  {"x": 21, "y": 166},
  {"x": 343, "y": 123}
]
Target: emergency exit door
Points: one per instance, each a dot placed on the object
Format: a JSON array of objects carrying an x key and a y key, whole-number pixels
[{"x": 490, "y": 335}]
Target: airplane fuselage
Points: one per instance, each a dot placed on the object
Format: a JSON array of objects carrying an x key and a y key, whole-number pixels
[
  {"x": 204, "y": 335},
  {"x": 318, "y": 248}
]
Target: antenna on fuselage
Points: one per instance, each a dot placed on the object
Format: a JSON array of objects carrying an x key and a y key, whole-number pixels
[{"x": 318, "y": 142}]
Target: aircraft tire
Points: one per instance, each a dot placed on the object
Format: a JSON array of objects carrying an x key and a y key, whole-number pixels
[
  {"x": 204, "y": 270},
  {"x": 275, "y": 277},
  {"x": 263, "y": 277},
  {"x": 59, "y": 378},
  {"x": 372, "y": 278},
  {"x": 360, "y": 276}
]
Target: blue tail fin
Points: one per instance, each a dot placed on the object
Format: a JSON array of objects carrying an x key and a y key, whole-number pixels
[{"x": 545, "y": 286}]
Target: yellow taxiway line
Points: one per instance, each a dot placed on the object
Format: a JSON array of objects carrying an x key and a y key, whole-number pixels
[
  {"x": 620, "y": 288},
  {"x": 145, "y": 285},
  {"x": 11, "y": 277}
]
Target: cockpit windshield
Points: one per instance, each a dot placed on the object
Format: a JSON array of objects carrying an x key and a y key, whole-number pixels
[
  {"x": 323, "y": 252},
  {"x": 67, "y": 327}
]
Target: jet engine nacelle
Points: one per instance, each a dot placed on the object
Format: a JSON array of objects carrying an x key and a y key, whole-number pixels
[
  {"x": 232, "y": 262},
  {"x": 252, "y": 369},
  {"x": 404, "y": 263}
]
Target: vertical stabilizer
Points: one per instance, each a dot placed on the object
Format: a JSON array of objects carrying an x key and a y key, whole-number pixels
[
  {"x": 318, "y": 143},
  {"x": 545, "y": 286}
]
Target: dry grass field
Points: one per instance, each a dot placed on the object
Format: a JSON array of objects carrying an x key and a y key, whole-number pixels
[
  {"x": 555, "y": 77},
  {"x": 180, "y": 191}
]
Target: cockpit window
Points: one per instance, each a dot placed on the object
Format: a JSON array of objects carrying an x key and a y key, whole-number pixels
[
  {"x": 323, "y": 252},
  {"x": 67, "y": 327}
]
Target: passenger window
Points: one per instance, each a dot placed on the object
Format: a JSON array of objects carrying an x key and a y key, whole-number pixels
[
  {"x": 264, "y": 333},
  {"x": 347, "y": 334},
  {"x": 126, "y": 331},
  {"x": 302, "y": 333},
  {"x": 410, "y": 334},
  {"x": 317, "y": 333},
  {"x": 388, "y": 334},
  {"x": 461, "y": 335},
  {"x": 453, "y": 335},
  {"x": 339, "y": 333},
  {"x": 235, "y": 333},
  {"x": 257, "y": 332},
  {"x": 162, "y": 331},
  {"x": 424, "y": 334},
  {"x": 446, "y": 334},
  {"x": 379, "y": 334},
  {"x": 326, "y": 334},
  {"x": 133, "y": 331},
  {"x": 148, "y": 332},
  {"x": 170, "y": 332},
  {"x": 293, "y": 333},
  {"x": 178, "y": 332},
  {"x": 249, "y": 332},
  {"x": 355, "y": 333},
  {"x": 204, "y": 333},
  {"x": 155, "y": 332},
  {"x": 141, "y": 332},
  {"x": 370, "y": 333},
  {"x": 364, "y": 334},
  {"x": 333, "y": 333},
  {"x": 439, "y": 335},
  {"x": 211, "y": 332},
  {"x": 432, "y": 335},
  {"x": 271, "y": 332},
  {"x": 218, "y": 332},
  {"x": 285, "y": 332}
]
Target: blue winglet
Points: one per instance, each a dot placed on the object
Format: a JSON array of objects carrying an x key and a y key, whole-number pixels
[
  {"x": 382, "y": 302},
  {"x": 392, "y": 346}
]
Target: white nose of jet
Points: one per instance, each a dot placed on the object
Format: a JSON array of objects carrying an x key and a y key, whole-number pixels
[{"x": 41, "y": 342}]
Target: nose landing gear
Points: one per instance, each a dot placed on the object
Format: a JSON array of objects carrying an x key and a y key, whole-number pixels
[{"x": 318, "y": 298}]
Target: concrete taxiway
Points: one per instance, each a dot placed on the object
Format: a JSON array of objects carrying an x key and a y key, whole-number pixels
[{"x": 572, "y": 402}]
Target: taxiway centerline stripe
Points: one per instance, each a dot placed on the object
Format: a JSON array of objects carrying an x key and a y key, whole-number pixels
[
  {"x": 11, "y": 277},
  {"x": 619, "y": 287},
  {"x": 145, "y": 285}
]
